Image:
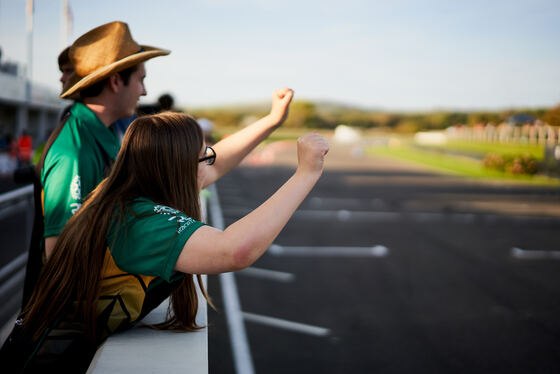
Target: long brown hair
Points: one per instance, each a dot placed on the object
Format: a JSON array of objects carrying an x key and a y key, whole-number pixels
[{"x": 158, "y": 160}]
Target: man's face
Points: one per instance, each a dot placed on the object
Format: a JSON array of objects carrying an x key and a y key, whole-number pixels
[
  {"x": 66, "y": 70},
  {"x": 130, "y": 93}
]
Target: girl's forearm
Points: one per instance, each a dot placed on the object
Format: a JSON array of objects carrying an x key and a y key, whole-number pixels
[{"x": 253, "y": 234}]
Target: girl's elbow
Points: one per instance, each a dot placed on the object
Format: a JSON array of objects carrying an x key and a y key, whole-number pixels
[{"x": 242, "y": 257}]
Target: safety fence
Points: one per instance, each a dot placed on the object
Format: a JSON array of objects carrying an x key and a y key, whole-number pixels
[
  {"x": 13, "y": 272},
  {"x": 505, "y": 133}
]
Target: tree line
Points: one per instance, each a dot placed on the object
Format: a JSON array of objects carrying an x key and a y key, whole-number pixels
[{"x": 308, "y": 114}]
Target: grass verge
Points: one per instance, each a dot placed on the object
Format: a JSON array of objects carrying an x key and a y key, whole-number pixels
[
  {"x": 482, "y": 148},
  {"x": 457, "y": 165}
]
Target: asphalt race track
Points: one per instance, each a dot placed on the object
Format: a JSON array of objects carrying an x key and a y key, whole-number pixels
[{"x": 389, "y": 268}]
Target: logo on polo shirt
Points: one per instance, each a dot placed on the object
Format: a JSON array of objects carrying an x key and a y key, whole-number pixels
[
  {"x": 174, "y": 214},
  {"x": 76, "y": 193},
  {"x": 76, "y": 188}
]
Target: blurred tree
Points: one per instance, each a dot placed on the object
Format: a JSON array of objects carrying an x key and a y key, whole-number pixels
[
  {"x": 356, "y": 119},
  {"x": 388, "y": 119},
  {"x": 317, "y": 122},
  {"x": 300, "y": 112},
  {"x": 328, "y": 115},
  {"x": 482, "y": 118},
  {"x": 552, "y": 116},
  {"x": 452, "y": 119},
  {"x": 221, "y": 117},
  {"x": 407, "y": 126}
]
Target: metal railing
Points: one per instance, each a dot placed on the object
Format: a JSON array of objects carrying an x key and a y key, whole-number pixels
[
  {"x": 20, "y": 193},
  {"x": 12, "y": 274}
]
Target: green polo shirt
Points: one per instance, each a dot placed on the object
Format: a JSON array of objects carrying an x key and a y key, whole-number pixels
[
  {"x": 150, "y": 239},
  {"x": 75, "y": 165}
]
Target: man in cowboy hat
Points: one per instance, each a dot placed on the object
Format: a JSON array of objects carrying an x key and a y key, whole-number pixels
[
  {"x": 108, "y": 74},
  {"x": 108, "y": 81}
]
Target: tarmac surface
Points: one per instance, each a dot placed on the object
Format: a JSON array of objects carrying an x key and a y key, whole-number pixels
[{"x": 393, "y": 268}]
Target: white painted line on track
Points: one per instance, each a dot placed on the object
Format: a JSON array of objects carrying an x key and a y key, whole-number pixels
[
  {"x": 376, "y": 216},
  {"x": 375, "y": 251},
  {"x": 238, "y": 335},
  {"x": 344, "y": 215},
  {"x": 274, "y": 275},
  {"x": 525, "y": 254},
  {"x": 322, "y": 202},
  {"x": 287, "y": 325}
]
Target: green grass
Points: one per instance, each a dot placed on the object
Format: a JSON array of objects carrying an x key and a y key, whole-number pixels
[
  {"x": 457, "y": 165},
  {"x": 482, "y": 148}
]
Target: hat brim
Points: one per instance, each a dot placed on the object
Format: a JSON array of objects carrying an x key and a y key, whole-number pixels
[{"x": 77, "y": 83}]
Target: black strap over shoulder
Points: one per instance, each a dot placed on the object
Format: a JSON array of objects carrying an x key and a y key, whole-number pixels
[
  {"x": 63, "y": 347},
  {"x": 35, "y": 253}
]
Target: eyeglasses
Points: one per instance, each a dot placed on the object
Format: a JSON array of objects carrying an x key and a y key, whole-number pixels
[{"x": 209, "y": 156}]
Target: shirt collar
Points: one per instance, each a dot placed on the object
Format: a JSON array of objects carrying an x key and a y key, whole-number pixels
[{"x": 105, "y": 136}]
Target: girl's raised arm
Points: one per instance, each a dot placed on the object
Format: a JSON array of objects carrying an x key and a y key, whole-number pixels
[{"x": 210, "y": 251}]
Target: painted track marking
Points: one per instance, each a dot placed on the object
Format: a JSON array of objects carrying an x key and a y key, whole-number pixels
[
  {"x": 274, "y": 275},
  {"x": 524, "y": 254},
  {"x": 238, "y": 335},
  {"x": 287, "y": 325},
  {"x": 375, "y": 251}
]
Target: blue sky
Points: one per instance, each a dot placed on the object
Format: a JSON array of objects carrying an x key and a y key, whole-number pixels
[{"x": 404, "y": 55}]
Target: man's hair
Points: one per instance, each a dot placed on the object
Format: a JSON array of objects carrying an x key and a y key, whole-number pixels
[
  {"x": 64, "y": 57},
  {"x": 96, "y": 88}
]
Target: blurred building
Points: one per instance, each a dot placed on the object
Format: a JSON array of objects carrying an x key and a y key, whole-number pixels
[
  {"x": 25, "y": 105},
  {"x": 521, "y": 119}
]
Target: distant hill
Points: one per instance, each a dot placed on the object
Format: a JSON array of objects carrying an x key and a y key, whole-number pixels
[{"x": 329, "y": 114}]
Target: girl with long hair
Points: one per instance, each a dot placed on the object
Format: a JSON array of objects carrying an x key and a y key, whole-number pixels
[{"x": 138, "y": 239}]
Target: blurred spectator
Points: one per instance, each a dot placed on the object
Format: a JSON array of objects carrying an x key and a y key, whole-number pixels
[
  {"x": 65, "y": 66},
  {"x": 3, "y": 144},
  {"x": 122, "y": 124},
  {"x": 165, "y": 103},
  {"x": 67, "y": 69},
  {"x": 8, "y": 156},
  {"x": 12, "y": 146},
  {"x": 207, "y": 126},
  {"x": 25, "y": 148}
]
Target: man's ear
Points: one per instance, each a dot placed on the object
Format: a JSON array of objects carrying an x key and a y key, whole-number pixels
[{"x": 115, "y": 82}]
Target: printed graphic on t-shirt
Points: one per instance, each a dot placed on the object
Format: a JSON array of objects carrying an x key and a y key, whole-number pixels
[
  {"x": 76, "y": 193},
  {"x": 76, "y": 188},
  {"x": 174, "y": 214}
]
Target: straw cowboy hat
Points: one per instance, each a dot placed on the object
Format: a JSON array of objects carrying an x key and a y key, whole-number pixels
[{"x": 104, "y": 51}]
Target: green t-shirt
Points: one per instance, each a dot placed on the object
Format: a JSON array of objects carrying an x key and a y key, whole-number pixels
[
  {"x": 75, "y": 165},
  {"x": 151, "y": 239}
]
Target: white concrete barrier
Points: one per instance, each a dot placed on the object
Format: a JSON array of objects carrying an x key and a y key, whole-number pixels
[{"x": 144, "y": 350}]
